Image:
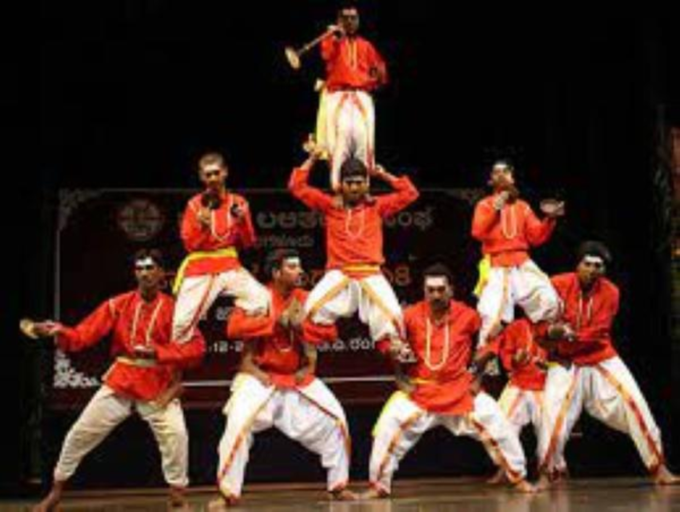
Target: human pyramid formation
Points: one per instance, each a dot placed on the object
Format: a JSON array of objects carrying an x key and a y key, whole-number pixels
[{"x": 559, "y": 356}]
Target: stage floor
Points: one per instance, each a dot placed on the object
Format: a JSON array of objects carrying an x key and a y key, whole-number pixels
[{"x": 432, "y": 495}]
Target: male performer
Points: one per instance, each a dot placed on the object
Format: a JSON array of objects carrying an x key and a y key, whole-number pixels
[
  {"x": 354, "y": 248},
  {"x": 215, "y": 225},
  {"x": 276, "y": 387},
  {"x": 354, "y": 68},
  {"x": 439, "y": 390},
  {"x": 525, "y": 361},
  {"x": 144, "y": 377},
  {"x": 507, "y": 227},
  {"x": 590, "y": 373}
]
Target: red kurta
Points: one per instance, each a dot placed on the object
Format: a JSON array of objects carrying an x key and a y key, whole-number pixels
[
  {"x": 278, "y": 351},
  {"x": 354, "y": 236},
  {"x": 225, "y": 231},
  {"x": 591, "y": 316},
  {"x": 349, "y": 61},
  {"x": 444, "y": 352},
  {"x": 132, "y": 321},
  {"x": 507, "y": 235},
  {"x": 519, "y": 336}
]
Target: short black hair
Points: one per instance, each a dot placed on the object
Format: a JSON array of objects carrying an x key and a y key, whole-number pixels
[
  {"x": 276, "y": 258},
  {"x": 154, "y": 254},
  {"x": 347, "y": 4},
  {"x": 353, "y": 168},
  {"x": 594, "y": 248},
  {"x": 438, "y": 270}
]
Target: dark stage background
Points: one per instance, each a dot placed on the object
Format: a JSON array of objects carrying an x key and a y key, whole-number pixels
[{"x": 130, "y": 93}]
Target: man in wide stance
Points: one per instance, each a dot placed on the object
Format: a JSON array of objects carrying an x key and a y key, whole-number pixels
[
  {"x": 438, "y": 390},
  {"x": 276, "y": 387},
  {"x": 590, "y": 372},
  {"x": 144, "y": 376}
]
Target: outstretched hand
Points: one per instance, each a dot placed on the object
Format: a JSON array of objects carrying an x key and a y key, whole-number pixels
[{"x": 36, "y": 330}]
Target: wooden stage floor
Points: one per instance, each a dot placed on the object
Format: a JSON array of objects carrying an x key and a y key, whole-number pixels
[{"x": 432, "y": 495}]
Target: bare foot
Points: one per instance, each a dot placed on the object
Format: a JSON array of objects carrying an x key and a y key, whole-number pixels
[
  {"x": 176, "y": 498},
  {"x": 498, "y": 478},
  {"x": 559, "y": 476},
  {"x": 544, "y": 482},
  {"x": 663, "y": 476},
  {"x": 50, "y": 502},
  {"x": 343, "y": 495},
  {"x": 524, "y": 487},
  {"x": 222, "y": 504},
  {"x": 374, "y": 494}
]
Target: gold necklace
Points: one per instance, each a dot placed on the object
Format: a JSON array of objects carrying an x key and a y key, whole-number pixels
[
  {"x": 512, "y": 220},
  {"x": 149, "y": 329},
  {"x": 352, "y": 51},
  {"x": 589, "y": 311},
  {"x": 428, "y": 346},
  {"x": 348, "y": 221},
  {"x": 213, "y": 222}
]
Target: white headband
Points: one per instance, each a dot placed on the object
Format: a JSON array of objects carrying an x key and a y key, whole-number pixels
[
  {"x": 436, "y": 281},
  {"x": 591, "y": 258},
  {"x": 147, "y": 260}
]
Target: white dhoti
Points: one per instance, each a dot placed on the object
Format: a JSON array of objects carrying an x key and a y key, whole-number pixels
[
  {"x": 198, "y": 293},
  {"x": 609, "y": 393},
  {"x": 311, "y": 416},
  {"x": 337, "y": 295},
  {"x": 506, "y": 287},
  {"x": 105, "y": 411},
  {"x": 402, "y": 422},
  {"x": 524, "y": 407},
  {"x": 348, "y": 119}
]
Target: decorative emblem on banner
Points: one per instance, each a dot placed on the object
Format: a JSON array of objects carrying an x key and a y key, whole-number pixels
[
  {"x": 70, "y": 200},
  {"x": 140, "y": 219}
]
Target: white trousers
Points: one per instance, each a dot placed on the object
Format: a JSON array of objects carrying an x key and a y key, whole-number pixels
[
  {"x": 198, "y": 293},
  {"x": 105, "y": 411},
  {"x": 402, "y": 422},
  {"x": 506, "y": 287},
  {"x": 524, "y": 407},
  {"x": 349, "y": 121},
  {"x": 609, "y": 393},
  {"x": 311, "y": 416},
  {"x": 337, "y": 295}
]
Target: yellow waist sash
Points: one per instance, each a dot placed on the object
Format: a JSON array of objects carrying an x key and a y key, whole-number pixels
[
  {"x": 136, "y": 361},
  {"x": 229, "y": 252}
]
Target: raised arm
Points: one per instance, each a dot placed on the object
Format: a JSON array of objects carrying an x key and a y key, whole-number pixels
[
  {"x": 404, "y": 193},
  {"x": 301, "y": 189}
]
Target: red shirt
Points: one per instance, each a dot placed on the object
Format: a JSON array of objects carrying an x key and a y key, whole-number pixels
[
  {"x": 131, "y": 321},
  {"x": 519, "y": 336},
  {"x": 354, "y": 236},
  {"x": 349, "y": 61},
  {"x": 591, "y": 316},
  {"x": 507, "y": 235},
  {"x": 278, "y": 351},
  {"x": 225, "y": 231},
  {"x": 444, "y": 353}
]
